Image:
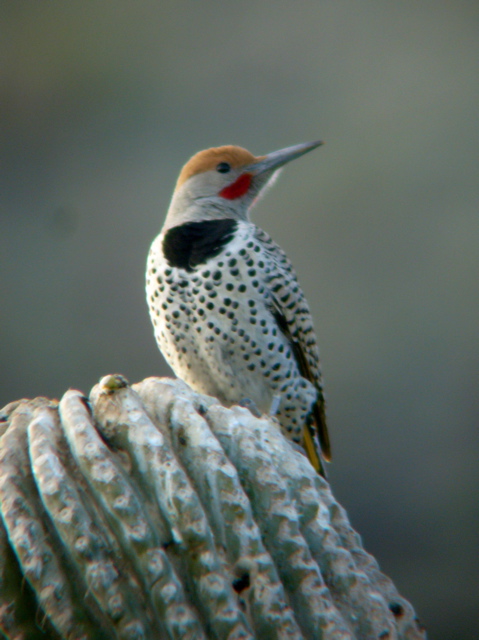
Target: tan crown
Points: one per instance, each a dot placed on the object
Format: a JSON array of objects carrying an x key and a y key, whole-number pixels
[{"x": 210, "y": 158}]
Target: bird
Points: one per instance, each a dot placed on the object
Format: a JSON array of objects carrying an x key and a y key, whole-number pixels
[{"x": 228, "y": 313}]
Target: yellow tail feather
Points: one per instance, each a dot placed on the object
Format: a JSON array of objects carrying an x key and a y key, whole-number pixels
[{"x": 312, "y": 452}]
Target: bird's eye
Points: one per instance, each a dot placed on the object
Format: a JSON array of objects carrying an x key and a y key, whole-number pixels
[{"x": 223, "y": 167}]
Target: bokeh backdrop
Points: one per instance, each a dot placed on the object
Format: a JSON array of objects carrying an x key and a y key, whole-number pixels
[{"x": 102, "y": 103}]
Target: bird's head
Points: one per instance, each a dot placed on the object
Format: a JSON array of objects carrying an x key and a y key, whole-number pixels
[{"x": 224, "y": 182}]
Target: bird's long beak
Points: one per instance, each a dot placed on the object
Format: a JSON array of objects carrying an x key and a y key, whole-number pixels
[{"x": 277, "y": 159}]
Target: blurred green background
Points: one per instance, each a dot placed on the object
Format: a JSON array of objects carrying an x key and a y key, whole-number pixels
[{"x": 102, "y": 103}]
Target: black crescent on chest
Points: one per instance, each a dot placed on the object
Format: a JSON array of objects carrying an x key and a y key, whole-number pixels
[{"x": 192, "y": 244}]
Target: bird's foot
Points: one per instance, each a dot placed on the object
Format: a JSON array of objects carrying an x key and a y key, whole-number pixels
[
  {"x": 247, "y": 403},
  {"x": 276, "y": 401},
  {"x": 297, "y": 447}
]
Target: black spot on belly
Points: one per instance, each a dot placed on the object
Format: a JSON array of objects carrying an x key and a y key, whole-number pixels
[{"x": 193, "y": 243}]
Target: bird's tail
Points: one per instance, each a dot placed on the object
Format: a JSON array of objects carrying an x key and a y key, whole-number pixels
[{"x": 312, "y": 451}]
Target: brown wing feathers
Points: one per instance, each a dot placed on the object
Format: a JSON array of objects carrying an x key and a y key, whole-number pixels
[{"x": 319, "y": 415}]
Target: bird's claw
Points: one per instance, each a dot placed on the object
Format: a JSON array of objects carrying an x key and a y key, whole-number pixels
[{"x": 247, "y": 403}]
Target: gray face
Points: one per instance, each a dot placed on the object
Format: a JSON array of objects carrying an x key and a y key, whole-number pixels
[
  {"x": 224, "y": 182},
  {"x": 209, "y": 196}
]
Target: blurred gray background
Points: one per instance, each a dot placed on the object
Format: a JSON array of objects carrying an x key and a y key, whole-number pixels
[{"x": 102, "y": 103}]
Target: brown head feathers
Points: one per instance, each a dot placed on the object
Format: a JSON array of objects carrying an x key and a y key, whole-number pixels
[{"x": 210, "y": 158}]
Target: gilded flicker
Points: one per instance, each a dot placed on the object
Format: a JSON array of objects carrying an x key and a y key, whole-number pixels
[{"x": 228, "y": 313}]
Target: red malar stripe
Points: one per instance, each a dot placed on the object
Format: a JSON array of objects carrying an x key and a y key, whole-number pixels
[{"x": 238, "y": 188}]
